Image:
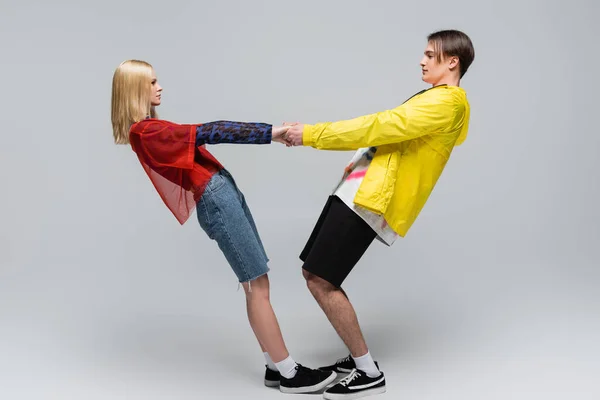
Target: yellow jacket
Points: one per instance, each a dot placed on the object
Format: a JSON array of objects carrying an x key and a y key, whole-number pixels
[{"x": 414, "y": 142}]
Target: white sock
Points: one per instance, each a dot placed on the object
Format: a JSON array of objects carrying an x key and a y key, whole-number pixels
[
  {"x": 287, "y": 367},
  {"x": 366, "y": 363},
  {"x": 270, "y": 363}
]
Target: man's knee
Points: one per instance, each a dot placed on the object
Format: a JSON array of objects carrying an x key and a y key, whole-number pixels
[
  {"x": 316, "y": 284},
  {"x": 306, "y": 274}
]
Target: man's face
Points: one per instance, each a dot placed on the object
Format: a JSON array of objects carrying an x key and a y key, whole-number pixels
[{"x": 434, "y": 71}]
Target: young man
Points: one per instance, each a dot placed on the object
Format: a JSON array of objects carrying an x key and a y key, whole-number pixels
[{"x": 401, "y": 154}]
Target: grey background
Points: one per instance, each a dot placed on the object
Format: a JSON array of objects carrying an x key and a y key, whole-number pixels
[{"x": 492, "y": 295}]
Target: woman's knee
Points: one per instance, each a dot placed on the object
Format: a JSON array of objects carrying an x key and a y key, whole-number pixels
[{"x": 257, "y": 288}]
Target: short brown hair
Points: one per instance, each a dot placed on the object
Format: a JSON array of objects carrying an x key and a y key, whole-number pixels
[{"x": 453, "y": 43}]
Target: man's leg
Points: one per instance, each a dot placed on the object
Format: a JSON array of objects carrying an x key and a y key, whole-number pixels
[
  {"x": 338, "y": 241},
  {"x": 365, "y": 379},
  {"x": 339, "y": 311}
]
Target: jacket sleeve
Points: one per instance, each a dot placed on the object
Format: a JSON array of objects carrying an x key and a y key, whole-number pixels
[
  {"x": 424, "y": 115},
  {"x": 233, "y": 132}
]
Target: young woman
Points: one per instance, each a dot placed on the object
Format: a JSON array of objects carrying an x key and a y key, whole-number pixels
[{"x": 188, "y": 177}]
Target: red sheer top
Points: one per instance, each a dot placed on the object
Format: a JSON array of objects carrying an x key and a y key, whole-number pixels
[{"x": 178, "y": 169}]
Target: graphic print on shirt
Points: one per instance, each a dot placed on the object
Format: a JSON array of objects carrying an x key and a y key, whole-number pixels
[{"x": 348, "y": 186}]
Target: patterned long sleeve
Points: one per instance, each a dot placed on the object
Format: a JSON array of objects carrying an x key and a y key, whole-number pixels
[{"x": 218, "y": 132}]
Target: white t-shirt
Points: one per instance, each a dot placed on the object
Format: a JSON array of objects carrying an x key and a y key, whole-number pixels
[{"x": 348, "y": 187}]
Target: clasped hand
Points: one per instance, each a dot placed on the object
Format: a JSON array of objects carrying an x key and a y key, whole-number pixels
[{"x": 290, "y": 134}]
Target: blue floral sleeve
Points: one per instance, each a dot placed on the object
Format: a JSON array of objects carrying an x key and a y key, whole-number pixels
[{"x": 218, "y": 132}]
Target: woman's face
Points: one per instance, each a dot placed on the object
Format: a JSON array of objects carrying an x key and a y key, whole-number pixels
[{"x": 156, "y": 91}]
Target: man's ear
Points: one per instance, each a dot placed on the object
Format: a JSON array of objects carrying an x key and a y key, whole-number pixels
[{"x": 453, "y": 63}]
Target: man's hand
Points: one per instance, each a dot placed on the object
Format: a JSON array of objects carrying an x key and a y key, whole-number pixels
[{"x": 294, "y": 134}]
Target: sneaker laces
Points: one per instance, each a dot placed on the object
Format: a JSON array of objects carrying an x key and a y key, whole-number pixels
[
  {"x": 342, "y": 360},
  {"x": 302, "y": 369},
  {"x": 353, "y": 375}
]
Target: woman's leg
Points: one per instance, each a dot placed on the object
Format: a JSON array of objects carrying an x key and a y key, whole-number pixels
[
  {"x": 263, "y": 320},
  {"x": 225, "y": 218},
  {"x": 224, "y": 215},
  {"x": 255, "y": 298}
]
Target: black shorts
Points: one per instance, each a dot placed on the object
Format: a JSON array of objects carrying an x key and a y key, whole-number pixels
[{"x": 337, "y": 242}]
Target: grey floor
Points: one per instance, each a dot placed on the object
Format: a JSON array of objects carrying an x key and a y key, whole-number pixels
[{"x": 500, "y": 331}]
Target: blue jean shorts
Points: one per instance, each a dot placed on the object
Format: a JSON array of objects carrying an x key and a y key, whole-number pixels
[{"x": 225, "y": 217}]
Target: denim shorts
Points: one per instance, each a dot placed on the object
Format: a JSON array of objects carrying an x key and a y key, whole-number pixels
[{"x": 225, "y": 217}]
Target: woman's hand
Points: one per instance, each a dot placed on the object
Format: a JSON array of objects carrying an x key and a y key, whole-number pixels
[
  {"x": 294, "y": 136},
  {"x": 279, "y": 134}
]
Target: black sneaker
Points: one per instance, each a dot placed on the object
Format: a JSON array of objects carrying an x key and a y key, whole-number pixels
[
  {"x": 345, "y": 365},
  {"x": 356, "y": 385},
  {"x": 271, "y": 377},
  {"x": 306, "y": 380}
]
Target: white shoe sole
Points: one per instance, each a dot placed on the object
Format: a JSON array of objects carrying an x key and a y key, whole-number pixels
[
  {"x": 309, "y": 389},
  {"x": 271, "y": 383},
  {"x": 352, "y": 396}
]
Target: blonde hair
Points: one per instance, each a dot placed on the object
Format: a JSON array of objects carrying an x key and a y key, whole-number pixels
[{"x": 131, "y": 103}]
